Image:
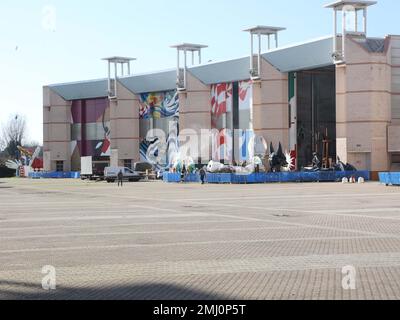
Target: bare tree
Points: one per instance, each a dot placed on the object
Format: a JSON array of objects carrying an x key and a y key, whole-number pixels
[{"x": 13, "y": 132}]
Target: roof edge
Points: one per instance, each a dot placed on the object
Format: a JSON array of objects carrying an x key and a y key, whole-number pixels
[
  {"x": 298, "y": 44},
  {"x": 106, "y": 79}
]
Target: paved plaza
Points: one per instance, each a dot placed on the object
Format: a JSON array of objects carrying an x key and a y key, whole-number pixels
[{"x": 153, "y": 240}]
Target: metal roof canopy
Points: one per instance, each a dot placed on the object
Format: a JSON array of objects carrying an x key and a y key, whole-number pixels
[
  {"x": 346, "y": 7},
  {"x": 112, "y": 86},
  {"x": 150, "y": 82},
  {"x": 81, "y": 90},
  {"x": 302, "y": 56},
  {"x": 117, "y": 59},
  {"x": 339, "y": 5},
  {"x": 185, "y": 48},
  {"x": 189, "y": 47},
  {"x": 223, "y": 71},
  {"x": 260, "y": 31},
  {"x": 264, "y": 30},
  {"x": 92, "y": 89}
]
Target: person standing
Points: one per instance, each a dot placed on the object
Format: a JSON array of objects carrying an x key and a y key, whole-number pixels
[
  {"x": 202, "y": 175},
  {"x": 120, "y": 178},
  {"x": 183, "y": 173}
]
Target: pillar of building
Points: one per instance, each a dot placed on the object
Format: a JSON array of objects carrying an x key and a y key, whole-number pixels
[
  {"x": 195, "y": 114},
  {"x": 270, "y": 106},
  {"x": 56, "y": 130},
  {"x": 363, "y": 108},
  {"x": 124, "y": 114}
]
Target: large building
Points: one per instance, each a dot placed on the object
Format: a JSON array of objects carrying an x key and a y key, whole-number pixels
[{"x": 338, "y": 96}]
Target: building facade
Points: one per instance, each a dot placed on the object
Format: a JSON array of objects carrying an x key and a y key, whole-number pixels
[{"x": 301, "y": 96}]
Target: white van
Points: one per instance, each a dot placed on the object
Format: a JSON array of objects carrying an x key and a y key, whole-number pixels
[{"x": 111, "y": 174}]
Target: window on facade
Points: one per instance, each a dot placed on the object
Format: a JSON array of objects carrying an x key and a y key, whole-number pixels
[
  {"x": 396, "y": 157},
  {"x": 59, "y": 166},
  {"x": 395, "y": 162}
]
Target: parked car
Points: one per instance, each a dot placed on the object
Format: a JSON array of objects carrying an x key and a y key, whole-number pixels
[
  {"x": 111, "y": 174},
  {"x": 145, "y": 169}
]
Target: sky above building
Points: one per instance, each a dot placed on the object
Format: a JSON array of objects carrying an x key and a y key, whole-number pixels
[{"x": 46, "y": 42}]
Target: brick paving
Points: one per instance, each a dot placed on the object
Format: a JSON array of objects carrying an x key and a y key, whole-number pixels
[{"x": 172, "y": 241}]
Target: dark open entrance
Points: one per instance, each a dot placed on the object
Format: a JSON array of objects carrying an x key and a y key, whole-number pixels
[{"x": 316, "y": 116}]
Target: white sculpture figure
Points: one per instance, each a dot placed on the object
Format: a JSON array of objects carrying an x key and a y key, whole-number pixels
[
  {"x": 28, "y": 157},
  {"x": 251, "y": 147},
  {"x": 176, "y": 162},
  {"x": 189, "y": 163},
  {"x": 257, "y": 161},
  {"x": 361, "y": 180},
  {"x": 214, "y": 167},
  {"x": 289, "y": 160},
  {"x": 345, "y": 180},
  {"x": 239, "y": 170},
  {"x": 13, "y": 164},
  {"x": 172, "y": 142},
  {"x": 249, "y": 169}
]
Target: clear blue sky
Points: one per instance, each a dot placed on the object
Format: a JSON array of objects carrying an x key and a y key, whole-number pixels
[{"x": 33, "y": 55}]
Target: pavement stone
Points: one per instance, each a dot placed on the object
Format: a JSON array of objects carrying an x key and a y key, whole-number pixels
[{"x": 153, "y": 240}]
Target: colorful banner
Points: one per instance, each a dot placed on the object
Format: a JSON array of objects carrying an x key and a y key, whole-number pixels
[
  {"x": 159, "y": 111},
  {"x": 159, "y": 105},
  {"x": 90, "y": 128},
  {"x": 246, "y": 148},
  {"x": 221, "y": 104},
  {"x": 221, "y": 109}
]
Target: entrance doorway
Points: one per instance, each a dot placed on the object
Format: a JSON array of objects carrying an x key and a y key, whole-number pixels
[{"x": 316, "y": 116}]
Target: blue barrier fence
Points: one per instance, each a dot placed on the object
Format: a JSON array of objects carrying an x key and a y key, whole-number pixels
[
  {"x": 55, "y": 175},
  {"x": 390, "y": 178},
  {"x": 176, "y": 177},
  {"x": 281, "y": 177},
  {"x": 219, "y": 178}
]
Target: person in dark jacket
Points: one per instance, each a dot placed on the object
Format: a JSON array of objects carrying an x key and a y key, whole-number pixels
[
  {"x": 120, "y": 178},
  {"x": 183, "y": 173},
  {"x": 202, "y": 175}
]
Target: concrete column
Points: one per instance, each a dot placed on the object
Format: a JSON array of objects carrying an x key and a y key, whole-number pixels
[{"x": 270, "y": 106}]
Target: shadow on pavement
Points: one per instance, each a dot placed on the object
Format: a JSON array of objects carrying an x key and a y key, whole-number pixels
[{"x": 11, "y": 290}]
